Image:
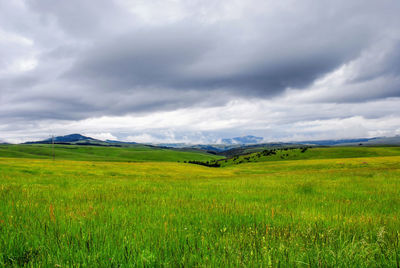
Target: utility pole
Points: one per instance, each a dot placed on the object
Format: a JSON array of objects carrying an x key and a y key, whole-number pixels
[{"x": 52, "y": 143}]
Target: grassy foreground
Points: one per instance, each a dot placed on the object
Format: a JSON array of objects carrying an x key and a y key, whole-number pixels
[{"x": 324, "y": 212}]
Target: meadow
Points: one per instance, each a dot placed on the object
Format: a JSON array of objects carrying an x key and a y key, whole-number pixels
[
  {"x": 305, "y": 153},
  {"x": 133, "y": 153},
  {"x": 339, "y": 211}
]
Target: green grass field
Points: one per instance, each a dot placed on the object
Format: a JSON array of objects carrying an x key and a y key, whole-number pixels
[
  {"x": 343, "y": 211},
  {"x": 134, "y": 153},
  {"x": 310, "y": 153}
]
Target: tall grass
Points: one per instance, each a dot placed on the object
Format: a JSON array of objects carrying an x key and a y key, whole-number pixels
[{"x": 336, "y": 212}]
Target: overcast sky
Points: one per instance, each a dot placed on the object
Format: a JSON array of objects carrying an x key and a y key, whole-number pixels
[{"x": 199, "y": 70}]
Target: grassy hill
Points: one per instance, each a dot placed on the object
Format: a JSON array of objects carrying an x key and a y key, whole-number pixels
[
  {"x": 309, "y": 153},
  {"x": 136, "y": 153},
  {"x": 341, "y": 212}
]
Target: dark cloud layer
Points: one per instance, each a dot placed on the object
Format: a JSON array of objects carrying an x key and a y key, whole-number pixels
[
  {"x": 207, "y": 57},
  {"x": 83, "y": 58}
]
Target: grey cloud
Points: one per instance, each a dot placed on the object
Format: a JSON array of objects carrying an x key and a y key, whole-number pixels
[
  {"x": 145, "y": 58},
  {"x": 192, "y": 56},
  {"x": 96, "y": 58},
  {"x": 372, "y": 76},
  {"x": 80, "y": 18}
]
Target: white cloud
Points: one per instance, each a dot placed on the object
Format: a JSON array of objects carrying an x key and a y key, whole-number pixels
[
  {"x": 274, "y": 120},
  {"x": 101, "y": 136}
]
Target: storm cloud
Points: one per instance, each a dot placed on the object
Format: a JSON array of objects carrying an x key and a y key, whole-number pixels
[{"x": 83, "y": 59}]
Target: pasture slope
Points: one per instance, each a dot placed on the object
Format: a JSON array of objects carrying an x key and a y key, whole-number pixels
[
  {"x": 316, "y": 212},
  {"x": 133, "y": 153},
  {"x": 305, "y": 153}
]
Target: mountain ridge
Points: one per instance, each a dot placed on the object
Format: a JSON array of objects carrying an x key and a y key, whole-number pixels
[
  {"x": 248, "y": 139},
  {"x": 227, "y": 143},
  {"x": 66, "y": 138}
]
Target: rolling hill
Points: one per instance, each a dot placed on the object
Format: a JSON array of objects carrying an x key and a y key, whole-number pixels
[
  {"x": 135, "y": 153},
  {"x": 304, "y": 153}
]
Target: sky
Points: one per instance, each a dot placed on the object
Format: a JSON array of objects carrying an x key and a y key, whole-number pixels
[{"x": 197, "y": 71}]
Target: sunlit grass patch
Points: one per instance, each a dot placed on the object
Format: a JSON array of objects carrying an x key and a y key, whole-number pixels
[{"x": 324, "y": 212}]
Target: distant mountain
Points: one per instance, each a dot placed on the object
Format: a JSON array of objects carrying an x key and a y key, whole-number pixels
[
  {"x": 78, "y": 139},
  {"x": 71, "y": 138},
  {"x": 215, "y": 147},
  {"x": 336, "y": 142},
  {"x": 228, "y": 147},
  {"x": 249, "y": 139},
  {"x": 174, "y": 145},
  {"x": 381, "y": 141},
  {"x": 120, "y": 142},
  {"x": 205, "y": 147}
]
